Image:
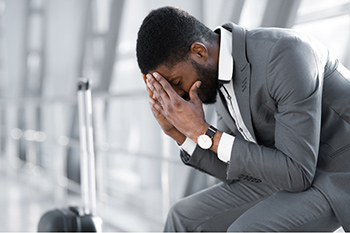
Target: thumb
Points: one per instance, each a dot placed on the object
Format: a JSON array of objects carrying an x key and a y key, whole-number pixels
[{"x": 194, "y": 92}]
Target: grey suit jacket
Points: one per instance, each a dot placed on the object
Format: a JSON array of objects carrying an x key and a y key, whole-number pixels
[{"x": 295, "y": 100}]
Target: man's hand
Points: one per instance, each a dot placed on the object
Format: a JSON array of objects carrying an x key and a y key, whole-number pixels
[
  {"x": 166, "y": 126},
  {"x": 186, "y": 116}
]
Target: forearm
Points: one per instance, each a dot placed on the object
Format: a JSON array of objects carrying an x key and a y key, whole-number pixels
[
  {"x": 259, "y": 163},
  {"x": 206, "y": 161},
  {"x": 216, "y": 140},
  {"x": 200, "y": 130},
  {"x": 222, "y": 144},
  {"x": 177, "y": 136}
]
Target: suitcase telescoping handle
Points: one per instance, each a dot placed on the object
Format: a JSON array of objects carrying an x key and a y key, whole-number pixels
[{"x": 87, "y": 155}]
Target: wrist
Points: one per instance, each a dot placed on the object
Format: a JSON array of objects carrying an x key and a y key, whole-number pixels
[
  {"x": 199, "y": 131},
  {"x": 206, "y": 140},
  {"x": 214, "y": 139},
  {"x": 177, "y": 136}
]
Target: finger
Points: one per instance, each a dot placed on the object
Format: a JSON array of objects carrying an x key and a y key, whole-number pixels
[
  {"x": 194, "y": 92},
  {"x": 150, "y": 93},
  {"x": 165, "y": 85},
  {"x": 144, "y": 77},
  {"x": 156, "y": 114},
  {"x": 155, "y": 106},
  {"x": 158, "y": 90},
  {"x": 150, "y": 81}
]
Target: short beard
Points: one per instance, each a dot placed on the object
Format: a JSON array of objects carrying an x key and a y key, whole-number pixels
[{"x": 209, "y": 88}]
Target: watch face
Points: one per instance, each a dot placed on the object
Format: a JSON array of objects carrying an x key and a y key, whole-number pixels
[{"x": 204, "y": 141}]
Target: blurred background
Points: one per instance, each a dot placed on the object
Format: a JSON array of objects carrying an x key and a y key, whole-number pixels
[{"x": 45, "y": 45}]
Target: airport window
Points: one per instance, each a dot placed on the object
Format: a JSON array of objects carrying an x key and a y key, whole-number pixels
[{"x": 46, "y": 45}]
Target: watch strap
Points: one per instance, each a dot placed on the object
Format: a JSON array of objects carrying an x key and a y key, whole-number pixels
[{"x": 211, "y": 131}]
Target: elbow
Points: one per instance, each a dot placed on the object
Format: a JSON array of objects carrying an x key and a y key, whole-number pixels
[
  {"x": 300, "y": 182},
  {"x": 301, "y": 187}
]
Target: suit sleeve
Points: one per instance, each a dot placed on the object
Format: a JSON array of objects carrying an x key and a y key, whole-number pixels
[
  {"x": 206, "y": 160},
  {"x": 294, "y": 85}
]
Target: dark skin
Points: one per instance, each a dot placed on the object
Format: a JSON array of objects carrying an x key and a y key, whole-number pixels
[{"x": 174, "y": 95}]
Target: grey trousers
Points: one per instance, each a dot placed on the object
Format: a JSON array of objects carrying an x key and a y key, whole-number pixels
[{"x": 247, "y": 207}]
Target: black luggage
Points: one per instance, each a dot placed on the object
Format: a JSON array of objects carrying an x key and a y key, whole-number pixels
[{"x": 79, "y": 219}]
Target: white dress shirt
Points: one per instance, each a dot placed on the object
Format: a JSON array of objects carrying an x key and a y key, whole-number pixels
[{"x": 225, "y": 74}]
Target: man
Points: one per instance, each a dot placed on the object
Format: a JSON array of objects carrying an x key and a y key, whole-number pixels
[{"x": 282, "y": 143}]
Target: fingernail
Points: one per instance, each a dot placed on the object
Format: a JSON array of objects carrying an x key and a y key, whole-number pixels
[
  {"x": 155, "y": 74},
  {"x": 149, "y": 77},
  {"x": 199, "y": 84}
]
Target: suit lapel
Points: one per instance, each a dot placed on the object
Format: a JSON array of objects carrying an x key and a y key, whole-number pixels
[
  {"x": 241, "y": 78},
  {"x": 221, "y": 107}
]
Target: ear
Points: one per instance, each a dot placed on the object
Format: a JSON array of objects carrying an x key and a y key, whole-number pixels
[{"x": 198, "y": 50}]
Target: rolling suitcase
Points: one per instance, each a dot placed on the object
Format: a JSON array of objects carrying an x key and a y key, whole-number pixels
[{"x": 79, "y": 219}]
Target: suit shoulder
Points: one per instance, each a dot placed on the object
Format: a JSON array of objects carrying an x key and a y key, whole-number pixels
[{"x": 274, "y": 35}]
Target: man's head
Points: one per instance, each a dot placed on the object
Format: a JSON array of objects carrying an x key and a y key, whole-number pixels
[{"x": 176, "y": 45}]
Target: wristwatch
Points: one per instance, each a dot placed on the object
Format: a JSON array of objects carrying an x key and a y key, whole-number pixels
[{"x": 205, "y": 140}]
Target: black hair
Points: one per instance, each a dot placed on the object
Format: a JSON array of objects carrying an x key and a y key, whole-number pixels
[{"x": 165, "y": 37}]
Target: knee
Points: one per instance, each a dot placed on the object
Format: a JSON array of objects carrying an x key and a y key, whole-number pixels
[
  {"x": 178, "y": 210},
  {"x": 174, "y": 221},
  {"x": 241, "y": 225},
  {"x": 174, "y": 211},
  {"x": 235, "y": 228}
]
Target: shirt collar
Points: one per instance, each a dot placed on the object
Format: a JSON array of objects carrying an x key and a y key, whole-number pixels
[{"x": 225, "y": 56}]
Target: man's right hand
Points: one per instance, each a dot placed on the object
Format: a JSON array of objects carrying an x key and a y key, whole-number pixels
[{"x": 166, "y": 126}]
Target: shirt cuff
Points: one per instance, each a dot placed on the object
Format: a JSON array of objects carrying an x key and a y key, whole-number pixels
[
  {"x": 225, "y": 147},
  {"x": 189, "y": 146}
]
